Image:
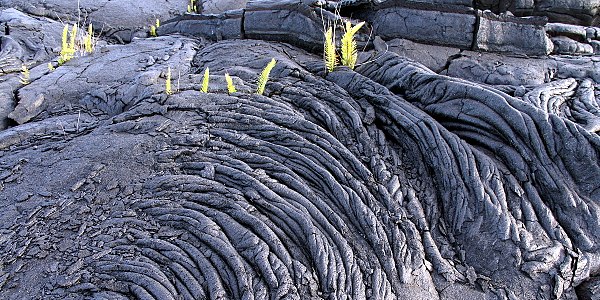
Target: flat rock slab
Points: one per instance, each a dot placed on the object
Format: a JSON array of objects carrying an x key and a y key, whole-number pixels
[
  {"x": 525, "y": 36},
  {"x": 445, "y": 28}
]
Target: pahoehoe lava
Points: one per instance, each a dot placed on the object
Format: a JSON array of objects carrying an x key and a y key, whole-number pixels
[{"x": 477, "y": 180}]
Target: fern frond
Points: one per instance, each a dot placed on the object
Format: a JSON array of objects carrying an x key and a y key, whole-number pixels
[
  {"x": 192, "y": 7},
  {"x": 65, "y": 41},
  {"x": 349, "y": 52},
  {"x": 329, "y": 47},
  {"x": 205, "y": 80},
  {"x": 68, "y": 44},
  {"x": 154, "y": 27},
  {"x": 24, "y": 78},
  {"x": 168, "y": 89},
  {"x": 88, "y": 43},
  {"x": 264, "y": 77},
  {"x": 73, "y": 39},
  {"x": 230, "y": 87}
]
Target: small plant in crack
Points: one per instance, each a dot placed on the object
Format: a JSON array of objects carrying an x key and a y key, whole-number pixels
[
  {"x": 349, "y": 53},
  {"x": 168, "y": 89},
  {"x": 154, "y": 27},
  {"x": 67, "y": 51},
  {"x": 73, "y": 42},
  {"x": 191, "y": 8},
  {"x": 329, "y": 53},
  {"x": 264, "y": 77},
  {"x": 230, "y": 87},
  {"x": 205, "y": 80},
  {"x": 24, "y": 77},
  {"x": 88, "y": 40}
]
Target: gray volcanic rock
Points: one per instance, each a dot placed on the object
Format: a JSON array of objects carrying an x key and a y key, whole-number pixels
[
  {"x": 425, "y": 26},
  {"x": 581, "y": 12},
  {"x": 565, "y": 45},
  {"x": 428, "y": 172},
  {"x": 120, "y": 20},
  {"x": 27, "y": 41},
  {"x": 434, "y": 57},
  {"x": 515, "y": 35}
]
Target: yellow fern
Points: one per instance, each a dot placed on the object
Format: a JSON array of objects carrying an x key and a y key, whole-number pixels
[
  {"x": 168, "y": 89},
  {"x": 73, "y": 38},
  {"x": 154, "y": 27},
  {"x": 65, "y": 42},
  {"x": 264, "y": 77},
  {"x": 88, "y": 40},
  {"x": 329, "y": 53},
  {"x": 24, "y": 78},
  {"x": 349, "y": 52},
  {"x": 230, "y": 87},
  {"x": 67, "y": 52},
  {"x": 191, "y": 8},
  {"x": 205, "y": 80}
]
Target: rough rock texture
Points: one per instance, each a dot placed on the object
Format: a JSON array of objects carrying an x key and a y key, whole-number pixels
[
  {"x": 451, "y": 28},
  {"x": 120, "y": 20},
  {"x": 428, "y": 172},
  {"x": 582, "y": 12},
  {"x": 510, "y": 34}
]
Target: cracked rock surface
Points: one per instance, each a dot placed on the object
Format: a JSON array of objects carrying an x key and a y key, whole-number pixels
[{"x": 431, "y": 171}]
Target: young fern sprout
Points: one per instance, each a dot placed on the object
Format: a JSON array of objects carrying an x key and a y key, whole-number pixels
[
  {"x": 73, "y": 38},
  {"x": 264, "y": 77},
  {"x": 191, "y": 8},
  {"x": 64, "y": 49},
  {"x": 88, "y": 40},
  {"x": 50, "y": 66},
  {"x": 154, "y": 27},
  {"x": 168, "y": 89},
  {"x": 24, "y": 78},
  {"x": 67, "y": 50},
  {"x": 230, "y": 87},
  {"x": 329, "y": 46},
  {"x": 349, "y": 51},
  {"x": 205, "y": 80}
]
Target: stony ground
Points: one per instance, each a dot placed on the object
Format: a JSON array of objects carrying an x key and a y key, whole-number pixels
[{"x": 434, "y": 170}]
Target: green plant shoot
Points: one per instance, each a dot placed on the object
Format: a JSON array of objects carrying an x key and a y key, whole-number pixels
[
  {"x": 205, "y": 80},
  {"x": 168, "y": 89},
  {"x": 154, "y": 27},
  {"x": 88, "y": 40},
  {"x": 50, "y": 66},
  {"x": 191, "y": 8},
  {"x": 65, "y": 42},
  {"x": 24, "y": 78},
  {"x": 329, "y": 47},
  {"x": 230, "y": 87},
  {"x": 349, "y": 51},
  {"x": 73, "y": 38},
  {"x": 264, "y": 77},
  {"x": 68, "y": 45}
]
